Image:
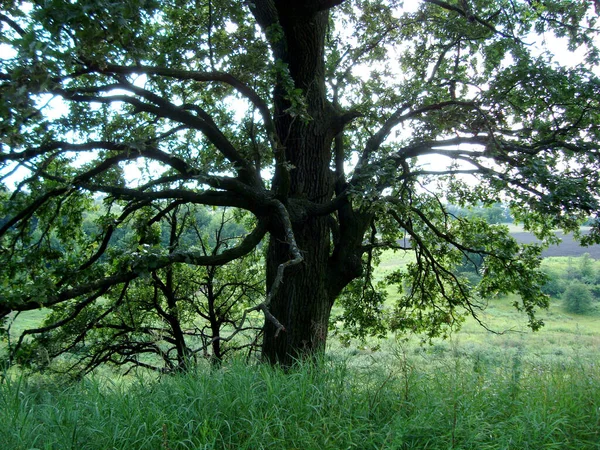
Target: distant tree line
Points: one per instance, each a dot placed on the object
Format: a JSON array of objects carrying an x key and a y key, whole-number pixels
[{"x": 494, "y": 213}]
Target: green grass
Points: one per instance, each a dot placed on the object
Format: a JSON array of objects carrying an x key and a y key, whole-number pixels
[
  {"x": 477, "y": 390},
  {"x": 413, "y": 401},
  {"x": 563, "y": 333},
  {"x": 26, "y": 320},
  {"x": 563, "y": 336}
]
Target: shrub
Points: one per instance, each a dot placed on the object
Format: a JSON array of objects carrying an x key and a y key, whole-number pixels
[{"x": 578, "y": 298}]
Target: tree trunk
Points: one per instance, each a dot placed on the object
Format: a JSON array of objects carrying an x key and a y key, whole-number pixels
[
  {"x": 172, "y": 315},
  {"x": 303, "y": 302},
  {"x": 215, "y": 323}
]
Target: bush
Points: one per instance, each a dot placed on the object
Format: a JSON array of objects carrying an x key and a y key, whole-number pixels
[{"x": 578, "y": 298}]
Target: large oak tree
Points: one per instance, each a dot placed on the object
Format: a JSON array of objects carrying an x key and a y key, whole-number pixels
[{"x": 320, "y": 118}]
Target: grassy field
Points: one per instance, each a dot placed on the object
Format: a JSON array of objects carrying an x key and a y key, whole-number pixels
[
  {"x": 424, "y": 401},
  {"x": 478, "y": 390},
  {"x": 564, "y": 335}
]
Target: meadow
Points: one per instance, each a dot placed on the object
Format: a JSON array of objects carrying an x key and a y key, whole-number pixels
[
  {"x": 508, "y": 389},
  {"x": 411, "y": 402}
]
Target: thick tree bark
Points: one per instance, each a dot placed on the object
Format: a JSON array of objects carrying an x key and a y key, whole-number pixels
[
  {"x": 304, "y": 300},
  {"x": 302, "y": 303}
]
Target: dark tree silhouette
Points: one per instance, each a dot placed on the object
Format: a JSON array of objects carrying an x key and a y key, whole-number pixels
[{"x": 314, "y": 117}]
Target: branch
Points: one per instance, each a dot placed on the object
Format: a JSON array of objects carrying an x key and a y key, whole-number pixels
[
  {"x": 176, "y": 113},
  {"x": 471, "y": 17},
  {"x": 63, "y": 147},
  {"x": 11, "y": 23},
  {"x": 447, "y": 6},
  {"x": 359, "y": 53},
  {"x": 130, "y": 209},
  {"x": 78, "y": 308},
  {"x": 344, "y": 119},
  {"x": 396, "y": 119},
  {"x": 216, "y": 76},
  {"x": 266, "y": 16},
  {"x": 142, "y": 265},
  {"x": 448, "y": 238},
  {"x": 296, "y": 259},
  {"x": 291, "y": 240},
  {"x": 385, "y": 245},
  {"x": 237, "y": 197},
  {"x": 307, "y": 8},
  {"x": 30, "y": 210},
  {"x": 440, "y": 271},
  {"x": 128, "y": 152},
  {"x": 133, "y": 151},
  {"x": 203, "y": 122},
  {"x": 324, "y": 5},
  {"x": 445, "y": 49}
]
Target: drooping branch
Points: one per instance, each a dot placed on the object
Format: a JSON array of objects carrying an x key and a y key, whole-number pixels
[
  {"x": 441, "y": 274},
  {"x": 295, "y": 251},
  {"x": 297, "y": 258},
  {"x": 27, "y": 212},
  {"x": 76, "y": 311},
  {"x": 130, "y": 209}
]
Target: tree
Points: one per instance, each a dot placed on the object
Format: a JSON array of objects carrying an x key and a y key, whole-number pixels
[
  {"x": 556, "y": 284},
  {"x": 578, "y": 298},
  {"x": 314, "y": 116},
  {"x": 587, "y": 271},
  {"x": 164, "y": 319}
]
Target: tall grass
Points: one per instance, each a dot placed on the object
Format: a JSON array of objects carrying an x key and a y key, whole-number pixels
[{"x": 415, "y": 401}]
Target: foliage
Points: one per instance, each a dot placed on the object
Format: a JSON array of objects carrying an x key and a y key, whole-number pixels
[
  {"x": 493, "y": 214},
  {"x": 575, "y": 281},
  {"x": 165, "y": 320},
  {"x": 587, "y": 272},
  {"x": 578, "y": 298},
  {"x": 316, "y": 122},
  {"x": 364, "y": 312},
  {"x": 555, "y": 284}
]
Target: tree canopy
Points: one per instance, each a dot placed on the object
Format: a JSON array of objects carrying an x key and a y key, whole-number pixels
[{"x": 336, "y": 128}]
